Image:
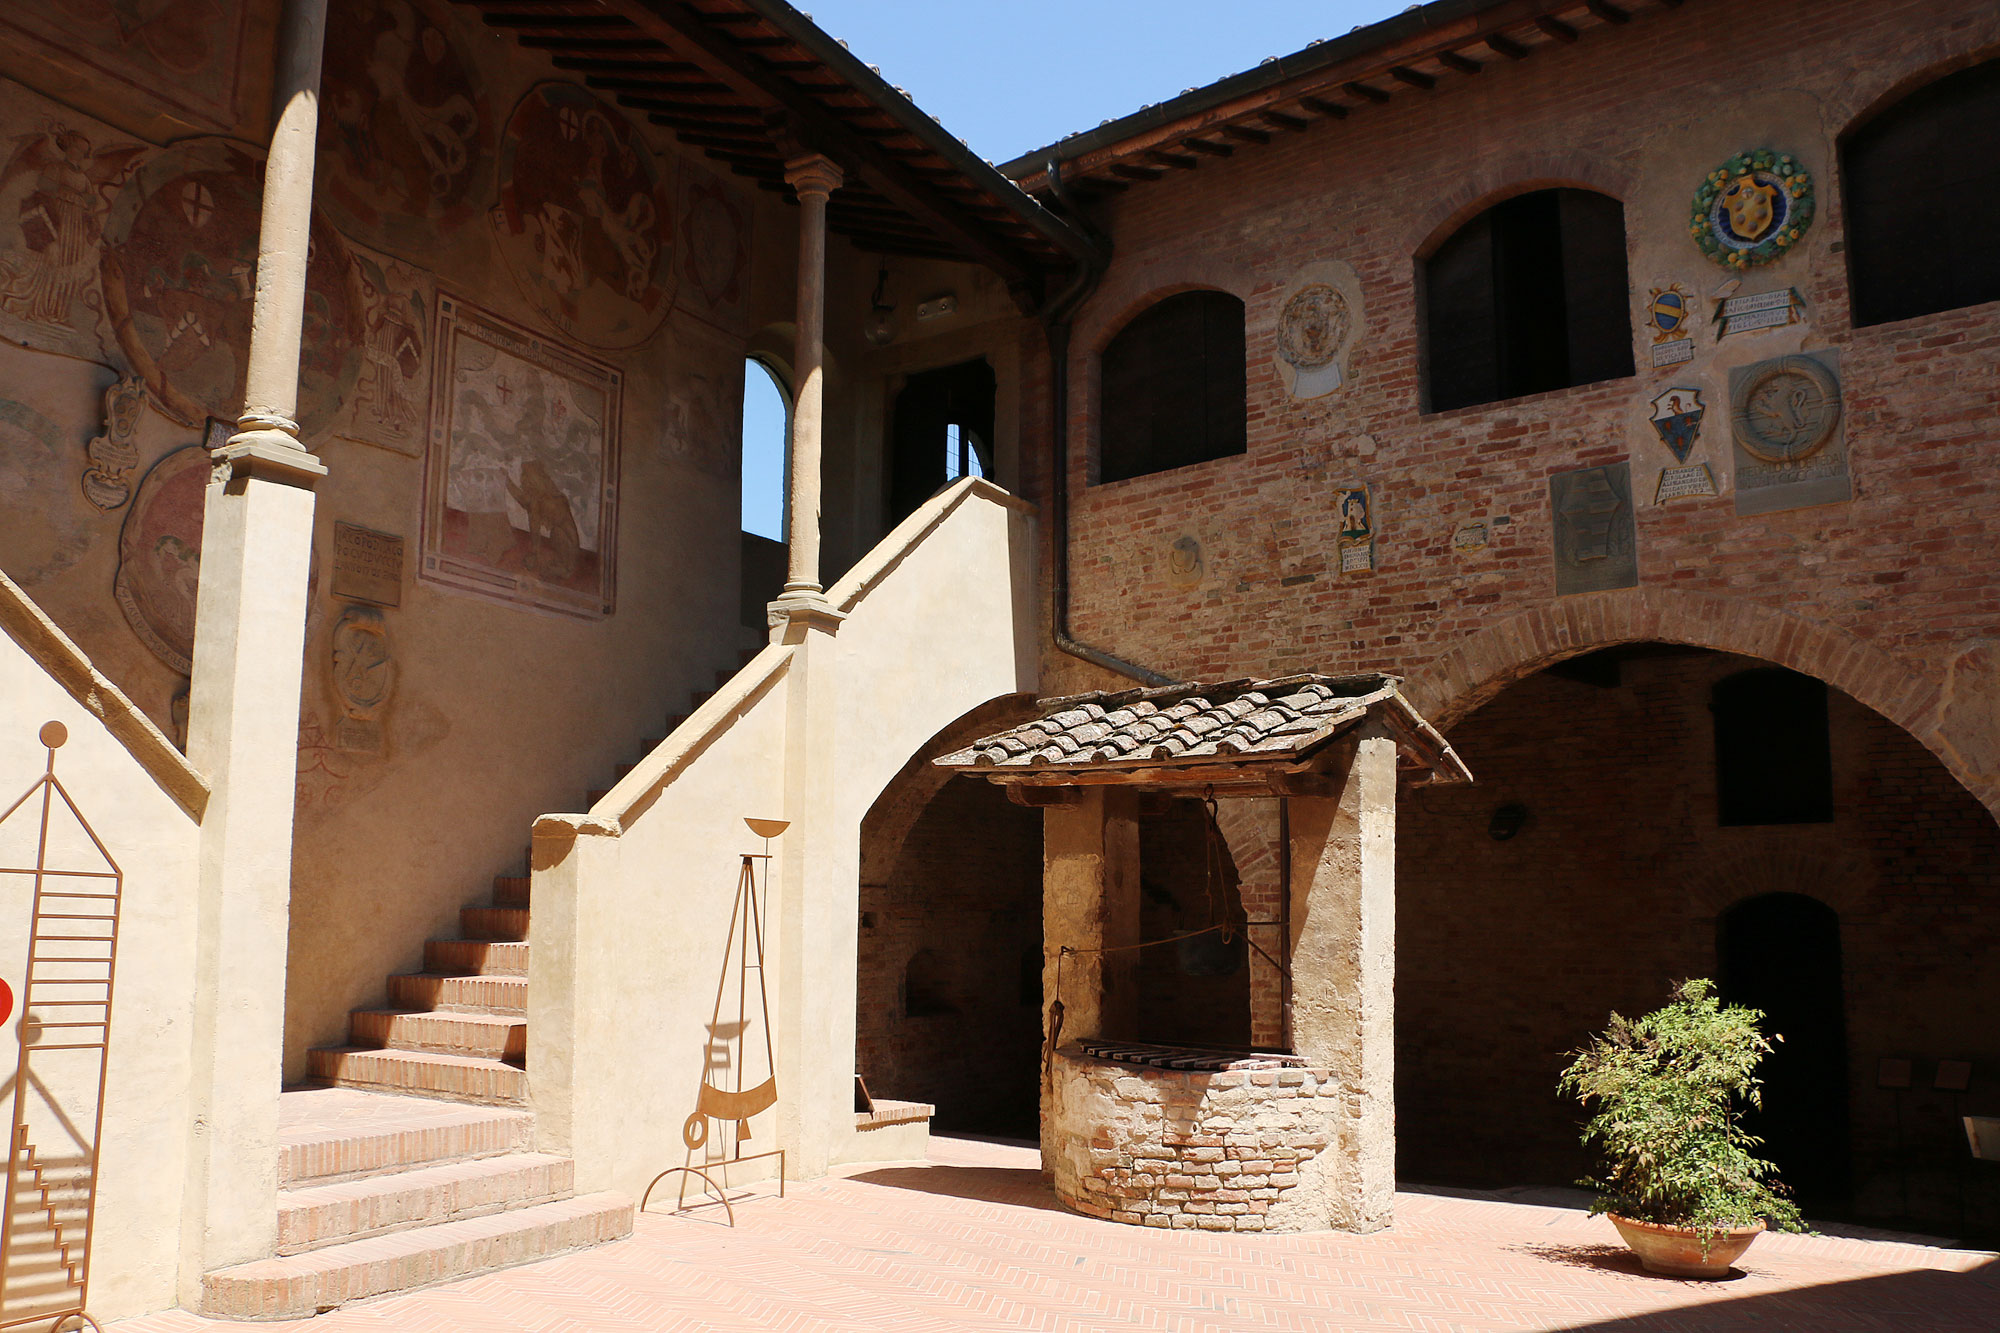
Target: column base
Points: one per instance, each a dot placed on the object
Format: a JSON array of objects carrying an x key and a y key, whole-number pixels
[{"x": 800, "y": 610}]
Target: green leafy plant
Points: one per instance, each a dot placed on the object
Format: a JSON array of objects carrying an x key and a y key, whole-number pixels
[{"x": 1667, "y": 1090}]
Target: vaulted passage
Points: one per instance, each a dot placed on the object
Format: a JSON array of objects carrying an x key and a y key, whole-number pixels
[{"x": 1653, "y": 812}]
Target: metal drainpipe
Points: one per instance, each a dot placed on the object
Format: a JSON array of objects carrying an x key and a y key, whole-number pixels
[{"x": 1056, "y": 328}]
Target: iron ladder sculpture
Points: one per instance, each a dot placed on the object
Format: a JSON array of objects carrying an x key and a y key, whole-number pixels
[
  {"x": 65, "y": 1034},
  {"x": 734, "y": 1104}
]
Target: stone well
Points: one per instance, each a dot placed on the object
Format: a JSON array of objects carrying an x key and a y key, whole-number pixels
[{"x": 1237, "y": 1149}]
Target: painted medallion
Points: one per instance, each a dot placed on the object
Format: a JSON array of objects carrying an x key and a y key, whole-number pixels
[
  {"x": 179, "y": 272},
  {"x": 583, "y": 218},
  {"x": 159, "y": 555}
]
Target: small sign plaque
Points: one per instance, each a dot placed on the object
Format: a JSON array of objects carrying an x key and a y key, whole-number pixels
[
  {"x": 1673, "y": 353},
  {"x": 1677, "y": 483},
  {"x": 1760, "y": 310},
  {"x": 367, "y": 565}
]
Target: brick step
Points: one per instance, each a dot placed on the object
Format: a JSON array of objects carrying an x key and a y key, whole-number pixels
[
  {"x": 486, "y": 1036},
  {"x": 459, "y": 995},
  {"x": 494, "y": 923},
  {"x": 322, "y": 1215},
  {"x": 485, "y": 958},
  {"x": 333, "y": 1134},
  {"x": 510, "y": 890},
  {"x": 300, "y": 1285},
  {"x": 420, "y": 1074}
]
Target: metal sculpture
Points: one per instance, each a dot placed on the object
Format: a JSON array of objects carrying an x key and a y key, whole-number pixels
[
  {"x": 65, "y": 1032},
  {"x": 735, "y": 1105}
]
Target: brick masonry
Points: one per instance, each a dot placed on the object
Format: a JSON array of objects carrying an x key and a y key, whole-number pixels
[
  {"x": 1892, "y": 597},
  {"x": 1170, "y": 1148},
  {"x": 1511, "y": 953}
]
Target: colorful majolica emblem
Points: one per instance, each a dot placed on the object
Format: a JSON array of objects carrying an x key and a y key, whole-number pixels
[
  {"x": 1752, "y": 209},
  {"x": 1677, "y": 417},
  {"x": 1668, "y": 312}
]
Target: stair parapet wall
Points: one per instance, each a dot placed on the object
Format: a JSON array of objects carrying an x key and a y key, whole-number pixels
[{"x": 633, "y": 899}]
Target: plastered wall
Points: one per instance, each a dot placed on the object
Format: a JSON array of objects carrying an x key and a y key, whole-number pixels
[{"x": 538, "y": 623}]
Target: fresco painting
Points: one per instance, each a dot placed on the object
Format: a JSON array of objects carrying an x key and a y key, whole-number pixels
[
  {"x": 159, "y": 553},
  {"x": 522, "y": 482},
  {"x": 405, "y": 128},
  {"x": 179, "y": 268},
  {"x": 61, "y": 174},
  {"x": 583, "y": 218},
  {"x": 42, "y": 531},
  {"x": 183, "y": 54},
  {"x": 392, "y": 390},
  {"x": 715, "y": 249}
]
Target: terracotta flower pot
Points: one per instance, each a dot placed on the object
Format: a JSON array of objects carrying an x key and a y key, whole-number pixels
[{"x": 1676, "y": 1251}]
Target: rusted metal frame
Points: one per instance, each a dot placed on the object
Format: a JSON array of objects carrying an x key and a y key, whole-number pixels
[
  {"x": 675, "y": 23},
  {"x": 78, "y": 1270}
]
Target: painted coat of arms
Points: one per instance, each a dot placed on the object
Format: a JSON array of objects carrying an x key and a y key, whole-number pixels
[
  {"x": 1677, "y": 417},
  {"x": 1667, "y": 313}
]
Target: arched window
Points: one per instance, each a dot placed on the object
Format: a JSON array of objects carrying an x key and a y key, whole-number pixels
[
  {"x": 1923, "y": 186},
  {"x": 1172, "y": 387},
  {"x": 943, "y": 430},
  {"x": 1528, "y": 296},
  {"x": 1773, "y": 759},
  {"x": 767, "y": 416}
]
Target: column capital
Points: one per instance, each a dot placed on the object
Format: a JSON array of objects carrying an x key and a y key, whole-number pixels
[{"x": 814, "y": 174}]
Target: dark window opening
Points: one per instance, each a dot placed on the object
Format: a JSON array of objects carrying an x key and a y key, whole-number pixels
[
  {"x": 1780, "y": 953},
  {"x": 1529, "y": 296},
  {"x": 1773, "y": 758},
  {"x": 1923, "y": 186},
  {"x": 926, "y": 990},
  {"x": 941, "y": 430},
  {"x": 1172, "y": 387}
]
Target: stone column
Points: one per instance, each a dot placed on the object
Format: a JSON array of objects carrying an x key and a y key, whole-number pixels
[
  {"x": 1344, "y": 977},
  {"x": 243, "y": 713},
  {"x": 814, "y": 178},
  {"x": 1090, "y": 901}
]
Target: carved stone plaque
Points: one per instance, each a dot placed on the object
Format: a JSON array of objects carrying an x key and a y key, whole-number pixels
[
  {"x": 1785, "y": 426},
  {"x": 367, "y": 565},
  {"x": 1596, "y": 544}
]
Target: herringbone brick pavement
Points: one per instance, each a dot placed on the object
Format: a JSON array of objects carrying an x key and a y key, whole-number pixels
[{"x": 972, "y": 1240}]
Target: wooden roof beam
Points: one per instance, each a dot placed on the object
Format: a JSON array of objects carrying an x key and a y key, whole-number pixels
[
  {"x": 1284, "y": 121},
  {"x": 1502, "y": 44},
  {"x": 1210, "y": 148},
  {"x": 1246, "y": 134},
  {"x": 1610, "y": 13},
  {"x": 1454, "y": 61},
  {"x": 1556, "y": 28},
  {"x": 1331, "y": 110},
  {"x": 687, "y": 29},
  {"x": 1366, "y": 92},
  {"x": 1412, "y": 78},
  {"x": 1183, "y": 161},
  {"x": 1136, "y": 173}
]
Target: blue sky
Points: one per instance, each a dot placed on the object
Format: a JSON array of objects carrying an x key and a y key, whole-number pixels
[{"x": 1008, "y": 76}]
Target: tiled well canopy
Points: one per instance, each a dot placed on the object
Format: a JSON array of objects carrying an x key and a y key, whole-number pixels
[{"x": 1242, "y": 736}]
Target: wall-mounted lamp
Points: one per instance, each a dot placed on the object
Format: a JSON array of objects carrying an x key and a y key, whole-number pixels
[{"x": 880, "y": 327}]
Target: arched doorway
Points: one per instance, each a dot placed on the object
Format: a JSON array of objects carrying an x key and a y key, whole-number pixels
[
  {"x": 1780, "y": 953},
  {"x": 1596, "y": 860}
]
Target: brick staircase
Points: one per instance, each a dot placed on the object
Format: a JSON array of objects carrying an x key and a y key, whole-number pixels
[{"x": 381, "y": 1191}]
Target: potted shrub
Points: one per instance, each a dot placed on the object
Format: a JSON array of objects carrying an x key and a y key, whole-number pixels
[{"x": 1679, "y": 1179}]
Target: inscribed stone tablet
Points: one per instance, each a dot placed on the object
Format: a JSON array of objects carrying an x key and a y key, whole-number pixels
[
  {"x": 1595, "y": 538},
  {"x": 367, "y": 565}
]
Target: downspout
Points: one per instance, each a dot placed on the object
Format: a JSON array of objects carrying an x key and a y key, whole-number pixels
[{"x": 1056, "y": 316}]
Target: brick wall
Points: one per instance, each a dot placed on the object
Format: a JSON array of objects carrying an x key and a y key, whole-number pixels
[
  {"x": 966, "y": 888},
  {"x": 1855, "y": 593},
  {"x": 1511, "y": 953},
  {"x": 1169, "y": 1148}
]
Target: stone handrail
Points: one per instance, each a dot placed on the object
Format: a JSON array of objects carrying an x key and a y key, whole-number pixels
[{"x": 57, "y": 654}]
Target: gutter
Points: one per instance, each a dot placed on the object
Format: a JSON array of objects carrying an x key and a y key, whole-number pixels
[
  {"x": 1056, "y": 317},
  {"x": 826, "y": 49},
  {"x": 1411, "y": 23}
]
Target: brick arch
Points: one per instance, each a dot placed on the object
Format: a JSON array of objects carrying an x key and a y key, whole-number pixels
[
  {"x": 1800, "y": 865},
  {"x": 1494, "y": 180},
  {"x": 1455, "y": 683},
  {"x": 1200, "y": 274},
  {"x": 1870, "y": 92}
]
